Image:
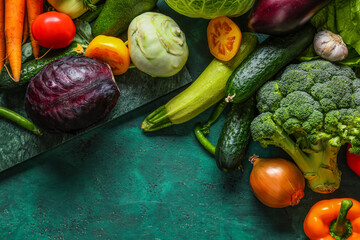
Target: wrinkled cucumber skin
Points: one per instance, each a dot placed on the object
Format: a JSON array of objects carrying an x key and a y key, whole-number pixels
[{"x": 235, "y": 136}]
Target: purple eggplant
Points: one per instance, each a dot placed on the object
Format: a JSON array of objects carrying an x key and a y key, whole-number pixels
[{"x": 277, "y": 17}]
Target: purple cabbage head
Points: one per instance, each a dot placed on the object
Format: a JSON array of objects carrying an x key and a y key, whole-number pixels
[{"x": 70, "y": 94}]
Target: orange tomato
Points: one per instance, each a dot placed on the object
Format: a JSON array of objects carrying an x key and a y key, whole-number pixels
[
  {"x": 224, "y": 38},
  {"x": 111, "y": 50}
]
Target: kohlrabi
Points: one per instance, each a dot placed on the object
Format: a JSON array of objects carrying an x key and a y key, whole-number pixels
[{"x": 157, "y": 45}]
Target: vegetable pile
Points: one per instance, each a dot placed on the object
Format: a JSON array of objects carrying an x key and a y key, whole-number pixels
[
  {"x": 307, "y": 101},
  {"x": 70, "y": 78},
  {"x": 297, "y": 90}
]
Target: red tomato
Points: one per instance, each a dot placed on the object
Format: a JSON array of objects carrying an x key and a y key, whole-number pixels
[
  {"x": 353, "y": 160},
  {"x": 53, "y": 30}
]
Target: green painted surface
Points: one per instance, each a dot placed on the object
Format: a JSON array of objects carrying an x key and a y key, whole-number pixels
[{"x": 117, "y": 182}]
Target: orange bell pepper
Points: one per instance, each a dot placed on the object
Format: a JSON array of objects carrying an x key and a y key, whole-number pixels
[{"x": 333, "y": 219}]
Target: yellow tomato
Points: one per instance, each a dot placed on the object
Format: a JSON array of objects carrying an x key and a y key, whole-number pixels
[
  {"x": 110, "y": 50},
  {"x": 224, "y": 38}
]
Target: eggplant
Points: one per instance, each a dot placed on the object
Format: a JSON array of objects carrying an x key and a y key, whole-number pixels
[{"x": 279, "y": 17}]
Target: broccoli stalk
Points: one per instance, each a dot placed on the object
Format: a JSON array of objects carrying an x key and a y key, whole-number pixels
[
  {"x": 318, "y": 162},
  {"x": 319, "y": 166}
]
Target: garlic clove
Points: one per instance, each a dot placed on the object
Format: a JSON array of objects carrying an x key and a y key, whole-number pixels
[{"x": 330, "y": 46}]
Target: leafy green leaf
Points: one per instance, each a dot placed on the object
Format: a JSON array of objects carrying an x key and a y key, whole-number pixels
[
  {"x": 308, "y": 54},
  {"x": 325, "y": 19},
  {"x": 83, "y": 32},
  {"x": 352, "y": 60},
  {"x": 345, "y": 24}
]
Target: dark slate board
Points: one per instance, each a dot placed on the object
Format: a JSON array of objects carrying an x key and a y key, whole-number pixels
[{"x": 136, "y": 89}]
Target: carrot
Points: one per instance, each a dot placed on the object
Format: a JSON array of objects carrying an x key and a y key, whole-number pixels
[
  {"x": 25, "y": 29},
  {"x": 33, "y": 9},
  {"x": 14, "y": 23},
  {"x": 2, "y": 36}
]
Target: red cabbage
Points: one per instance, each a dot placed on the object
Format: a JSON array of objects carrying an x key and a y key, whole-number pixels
[{"x": 70, "y": 94}]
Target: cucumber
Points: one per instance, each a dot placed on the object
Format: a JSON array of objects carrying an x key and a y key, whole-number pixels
[
  {"x": 262, "y": 64},
  {"x": 205, "y": 91},
  {"x": 116, "y": 15},
  {"x": 31, "y": 68},
  {"x": 235, "y": 136}
]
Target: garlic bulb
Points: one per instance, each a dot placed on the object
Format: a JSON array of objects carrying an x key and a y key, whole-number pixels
[{"x": 330, "y": 46}]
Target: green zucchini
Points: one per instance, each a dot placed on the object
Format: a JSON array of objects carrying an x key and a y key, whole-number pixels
[
  {"x": 205, "y": 91},
  {"x": 235, "y": 136},
  {"x": 262, "y": 64},
  {"x": 31, "y": 68}
]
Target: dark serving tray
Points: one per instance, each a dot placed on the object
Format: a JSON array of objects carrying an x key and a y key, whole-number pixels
[{"x": 136, "y": 89}]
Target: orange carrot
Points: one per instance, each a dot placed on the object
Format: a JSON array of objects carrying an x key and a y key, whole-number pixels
[
  {"x": 33, "y": 9},
  {"x": 2, "y": 34},
  {"x": 14, "y": 23},
  {"x": 25, "y": 29}
]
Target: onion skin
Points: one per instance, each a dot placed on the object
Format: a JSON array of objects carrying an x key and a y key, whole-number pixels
[{"x": 276, "y": 182}]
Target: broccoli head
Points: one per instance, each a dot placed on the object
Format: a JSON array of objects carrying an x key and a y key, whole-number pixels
[{"x": 310, "y": 111}]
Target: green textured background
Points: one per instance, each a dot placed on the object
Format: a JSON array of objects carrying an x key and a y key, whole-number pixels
[{"x": 117, "y": 182}]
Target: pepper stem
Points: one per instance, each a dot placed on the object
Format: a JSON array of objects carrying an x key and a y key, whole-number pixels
[{"x": 341, "y": 227}]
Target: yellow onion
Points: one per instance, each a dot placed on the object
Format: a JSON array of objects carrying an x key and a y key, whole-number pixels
[
  {"x": 73, "y": 8},
  {"x": 276, "y": 182}
]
